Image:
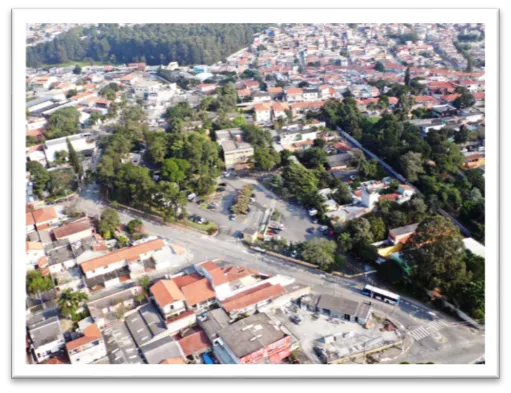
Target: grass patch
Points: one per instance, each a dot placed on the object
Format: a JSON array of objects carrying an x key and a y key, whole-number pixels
[{"x": 209, "y": 226}]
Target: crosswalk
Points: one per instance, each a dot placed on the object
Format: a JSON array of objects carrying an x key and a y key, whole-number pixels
[{"x": 426, "y": 330}]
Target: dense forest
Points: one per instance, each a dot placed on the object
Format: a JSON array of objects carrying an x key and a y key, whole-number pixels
[{"x": 153, "y": 44}]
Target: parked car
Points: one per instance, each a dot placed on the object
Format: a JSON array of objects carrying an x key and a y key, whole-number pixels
[
  {"x": 353, "y": 177},
  {"x": 294, "y": 254},
  {"x": 222, "y": 184},
  {"x": 296, "y": 319},
  {"x": 310, "y": 230},
  {"x": 323, "y": 229},
  {"x": 220, "y": 189},
  {"x": 199, "y": 201},
  {"x": 232, "y": 217},
  {"x": 191, "y": 197},
  {"x": 314, "y": 220}
]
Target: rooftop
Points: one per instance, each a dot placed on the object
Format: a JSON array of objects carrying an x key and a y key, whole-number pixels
[
  {"x": 250, "y": 334},
  {"x": 145, "y": 324},
  {"x": 161, "y": 350}
]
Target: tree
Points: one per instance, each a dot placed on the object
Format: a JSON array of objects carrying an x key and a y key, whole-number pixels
[
  {"x": 407, "y": 76},
  {"x": 277, "y": 182},
  {"x": 299, "y": 181},
  {"x": 40, "y": 177},
  {"x": 61, "y": 157},
  {"x": 62, "y": 122},
  {"x": 174, "y": 170},
  {"x": 378, "y": 228},
  {"x": 74, "y": 160},
  {"x": 314, "y": 157},
  {"x": 36, "y": 283},
  {"x": 412, "y": 165},
  {"x": 345, "y": 241},
  {"x": 122, "y": 241},
  {"x": 135, "y": 226},
  {"x": 465, "y": 99},
  {"x": 69, "y": 302},
  {"x": 379, "y": 66},
  {"x": 77, "y": 70},
  {"x": 108, "y": 223},
  {"x": 145, "y": 282},
  {"x": 173, "y": 199},
  {"x": 435, "y": 254},
  {"x": 471, "y": 299},
  {"x": 319, "y": 251},
  {"x": 343, "y": 194},
  {"x": 462, "y": 135}
]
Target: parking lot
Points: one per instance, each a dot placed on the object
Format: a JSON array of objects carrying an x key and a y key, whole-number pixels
[
  {"x": 298, "y": 226},
  {"x": 311, "y": 328}
]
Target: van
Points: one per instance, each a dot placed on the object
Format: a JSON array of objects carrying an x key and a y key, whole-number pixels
[{"x": 192, "y": 196}]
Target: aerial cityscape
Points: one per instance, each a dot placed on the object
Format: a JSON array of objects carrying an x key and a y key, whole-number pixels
[{"x": 255, "y": 193}]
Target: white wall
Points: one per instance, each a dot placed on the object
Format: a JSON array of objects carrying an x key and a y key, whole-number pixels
[{"x": 89, "y": 355}]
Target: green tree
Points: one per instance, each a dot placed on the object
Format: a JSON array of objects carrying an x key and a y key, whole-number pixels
[
  {"x": 343, "y": 194},
  {"x": 40, "y": 177},
  {"x": 345, "y": 242},
  {"x": 412, "y": 165},
  {"x": 69, "y": 302},
  {"x": 360, "y": 230},
  {"x": 135, "y": 226},
  {"x": 299, "y": 181},
  {"x": 174, "y": 170},
  {"x": 435, "y": 253},
  {"x": 74, "y": 160},
  {"x": 379, "y": 66},
  {"x": 378, "y": 228},
  {"x": 407, "y": 76},
  {"x": 108, "y": 223},
  {"x": 465, "y": 100},
  {"x": 145, "y": 282},
  {"x": 62, "y": 122},
  {"x": 36, "y": 283},
  {"x": 319, "y": 251},
  {"x": 77, "y": 70},
  {"x": 314, "y": 157}
]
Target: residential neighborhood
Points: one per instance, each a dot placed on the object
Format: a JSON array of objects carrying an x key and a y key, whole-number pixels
[{"x": 277, "y": 194}]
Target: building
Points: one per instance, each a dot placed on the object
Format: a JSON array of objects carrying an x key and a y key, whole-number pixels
[
  {"x": 237, "y": 152},
  {"x": 444, "y": 111},
  {"x": 146, "y": 325},
  {"x": 250, "y": 300},
  {"x": 34, "y": 253},
  {"x": 151, "y": 254},
  {"x": 169, "y": 299},
  {"x": 252, "y": 340},
  {"x": 194, "y": 344},
  {"x": 336, "y": 307},
  {"x": 369, "y": 196},
  {"x": 44, "y": 218},
  {"x": 81, "y": 142},
  {"x": 339, "y": 162},
  {"x": 197, "y": 291},
  {"x": 75, "y": 231},
  {"x": 262, "y": 112},
  {"x": 88, "y": 348},
  {"x": 294, "y": 94},
  {"x": 163, "y": 350},
  {"x": 261, "y": 96},
  {"x": 121, "y": 348},
  {"x": 310, "y": 94},
  {"x": 46, "y": 338},
  {"x": 402, "y": 234}
]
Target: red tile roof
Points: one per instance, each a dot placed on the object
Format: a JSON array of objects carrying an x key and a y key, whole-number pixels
[
  {"x": 77, "y": 226},
  {"x": 252, "y": 296},
  {"x": 122, "y": 254},
  {"x": 91, "y": 333},
  {"x": 195, "y": 342},
  {"x": 198, "y": 292},
  {"x": 187, "y": 279},
  {"x": 166, "y": 292},
  {"x": 44, "y": 214}
]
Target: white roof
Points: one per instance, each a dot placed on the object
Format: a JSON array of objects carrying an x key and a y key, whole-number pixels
[
  {"x": 381, "y": 291},
  {"x": 474, "y": 246}
]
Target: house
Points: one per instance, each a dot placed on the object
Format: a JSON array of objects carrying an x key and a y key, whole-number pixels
[
  {"x": 276, "y": 92},
  {"x": 194, "y": 344},
  {"x": 294, "y": 94},
  {"x": 309, "y": 94},
  {"x": 88, "y": 348},
  {"x": 326, "y": 92},
  {"x": 262, "y": 112},
  {"x": 252, "y": 85},
  {"x": 29, "y": 222},
  {"x": 339, "y": 162},
  {"x": 75, "y": 231},
  {"x": 444, "y": 111},
  {"x": 279, "y": 110},
  {"x": 244, "y": 94},
  {"x": 405, "y": 192},
  {"x": 121, "y": 348},
  {"x": 46, "y": 338},
  {"x": 425, "y": 102},
  {"x": 261, "y": 96},
  {"x": 402, "y": 234},
  {"x": 251, "y": 299},
  {"x": 207, "y": 88},
  {"x": 197, "y": 291},
  {"x": 82, "y": 143},
  {"x": 169, "y": 299},
  {"x": 474, "y": 160},
  {"x": 252, "y": 340},
  {"x": 34, "y": 253},
  {"x": 236, "y": 152},
  {"x": 336, "y": 307},
  {"x": 162, "y": 350},
  {"x": 103, "y": 310},
  {"x": 45, "y": 217},
  {"x": 181, "y": 322},
  {"x": 146, "y": 325}
]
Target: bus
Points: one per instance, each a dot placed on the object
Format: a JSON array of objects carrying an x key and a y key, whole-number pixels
[{"x": 381, "y": 294}]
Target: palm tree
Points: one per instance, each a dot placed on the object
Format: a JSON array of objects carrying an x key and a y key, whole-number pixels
[{"x": 70, "y": 301}]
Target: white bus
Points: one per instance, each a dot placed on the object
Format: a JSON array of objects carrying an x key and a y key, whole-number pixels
[{"x": 381, "y": 294}]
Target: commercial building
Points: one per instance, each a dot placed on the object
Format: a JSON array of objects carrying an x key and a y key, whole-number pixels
[{"x": 237, "y": 152}]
